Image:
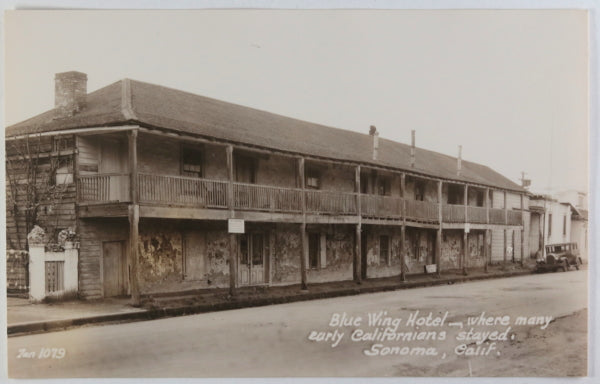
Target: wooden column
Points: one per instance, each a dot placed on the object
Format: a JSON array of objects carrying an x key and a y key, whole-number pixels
[
  {"x": 438, "y": 247},
  {"x": 522, "y": 229},
  {"x": 303, "y": 239},
  {"x": 358, "y": 255},
  {"x": 358, "y": 246},
  {"x": 486, "y": 251},
  {"x": 465, "y": 254},
  {"x": 134, "y": 218},
  {"x": 505, "y": 230},
  {"x": 232, "y": 236},
  {"x": 403, "y": 229}
]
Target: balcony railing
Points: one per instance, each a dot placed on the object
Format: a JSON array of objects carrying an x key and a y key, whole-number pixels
[
  {"x": 422, "y": 210},
  {"x": 477, "y": 215},
  {"x": 514, "y": 217},
  {"x": 497, "y": 216},
  {"x": 341, "y": 203},
  {"x": 266, "y": 198},
  {"x": 453, "y": 213},
  {"x": 204, "y": 193},
  {"x": 381, "y": 206},
  {"x": 179, "y": 190},
  {"x": 106, "y": 187}
]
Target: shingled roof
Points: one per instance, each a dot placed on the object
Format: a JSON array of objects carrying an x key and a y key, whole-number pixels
[{"x": 134, "y": 102}]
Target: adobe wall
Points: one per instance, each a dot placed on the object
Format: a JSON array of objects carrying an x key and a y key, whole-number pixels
[
  {"x": 286, "y": 248},
  {"x": 451, "y": 249},
  {"x": 339, "y": 240}
]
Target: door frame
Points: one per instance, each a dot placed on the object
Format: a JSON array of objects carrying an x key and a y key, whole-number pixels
[
  {"x": 266, "y": 258},
  {"x": 125, "y": 266}
]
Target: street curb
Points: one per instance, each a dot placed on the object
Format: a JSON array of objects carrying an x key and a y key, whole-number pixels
[{"x": 152, "y": 314}]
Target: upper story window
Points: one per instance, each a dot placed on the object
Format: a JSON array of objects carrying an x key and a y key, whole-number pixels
[
  {"x": 549, "y": 224},
  {"x": 480, "y": 198},
  {"x": 364, "y": 183},
  {"x": 63, "y": 170},
  {"x": 564, "y": 225},
  {"x": 191, "y": 162},
  {"x": 62, "y": 143},
  {"x": 313, "y": 179}
]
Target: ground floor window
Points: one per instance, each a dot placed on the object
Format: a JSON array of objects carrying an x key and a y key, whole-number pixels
[
  {"x": 384, "y": 250},
  {"x": 313, "y": 250}
]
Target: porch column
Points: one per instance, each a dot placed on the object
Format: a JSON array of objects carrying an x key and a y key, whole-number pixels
[
  {"x": 232, "y": 236},
  {"x": 357, "y": 254},
  {"x": 522, "y": 228},
  {"x": 134, "y": 218},
  {"x": 487, "y": 234},
  {"x": 438, "y": 245},
  {"x": 304, "y": 240},
  {"x": 486, "y": 249},
  {"x": 403, "y": 229},
  {"x": 465, "y": 234},
  {"x": 505, "y": 230}
]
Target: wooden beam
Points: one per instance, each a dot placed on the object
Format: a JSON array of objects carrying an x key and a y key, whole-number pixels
[
  {"x": 465, "y": 254},
  {"x": 357, "y": 254},
  {"x": 523, "y": 229},
  {"x": 487, "y": 205},
  {"x": 486, "y": 254},
  {"x": 438, "y": 247},
  {"x": 304, "y": 257},
  {"x": 232, "y": 236},
  {"x": 230, "y": 201},
  {"x": 134, "y": 218},
  {"x": 403, "y": 228}
]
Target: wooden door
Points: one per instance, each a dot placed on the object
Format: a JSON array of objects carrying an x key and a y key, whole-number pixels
[
  {"x": 194, "y": 251},
  {"x": 114, "y": 269},
  {"x": 251, "y": 256},
  {"x": 114, "y": 161}
]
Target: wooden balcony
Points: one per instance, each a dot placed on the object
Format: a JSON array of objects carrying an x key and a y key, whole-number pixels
[
  {"x": 477, "y": 215},
  {"x": 453, "y": 213},
  {"x": 189, "y": 192},
  {"x": 381, "y": 206}
]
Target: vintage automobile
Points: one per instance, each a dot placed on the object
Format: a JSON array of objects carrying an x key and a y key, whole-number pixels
[{"x": 559, "y": 256}]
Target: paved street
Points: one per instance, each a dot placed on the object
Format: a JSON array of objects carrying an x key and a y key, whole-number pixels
[{"x": 274, "y": 340}]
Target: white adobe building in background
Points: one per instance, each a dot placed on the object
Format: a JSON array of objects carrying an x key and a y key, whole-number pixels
[
  {"x": 558, "y": 219},
  {"x": 579, "y": 218}
]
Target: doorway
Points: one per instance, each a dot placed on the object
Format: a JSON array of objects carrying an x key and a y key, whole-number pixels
[
  {"x": 114, "y": 269},
  {"x": 251, "y": 257}
]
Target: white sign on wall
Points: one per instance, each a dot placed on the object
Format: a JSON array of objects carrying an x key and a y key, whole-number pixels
[
  {"x": 467, "y": 228},
  {"x": 235, "y": 226}
]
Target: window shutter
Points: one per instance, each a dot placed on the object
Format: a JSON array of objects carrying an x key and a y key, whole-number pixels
[{"x": 323, "y": 249}]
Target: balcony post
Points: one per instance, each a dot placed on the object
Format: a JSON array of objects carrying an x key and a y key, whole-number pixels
[
  {"x": 487, "y": 205},
  {"x": 232, "y": 236},
  {"x": 505, "y": 209},
  {"x": 465, "y": 234},
  {"x": 358, "y": 255},
  {"x": 303, "y": 239},
  {"x": 134, "y": 218},
  {"x": 522, "y": 228},
  {"x": 505, "y": 230},
  {"x": 357, "y": 252},
  {"x": 403, "y": 228},
  {"x": 438, "y": 245}
]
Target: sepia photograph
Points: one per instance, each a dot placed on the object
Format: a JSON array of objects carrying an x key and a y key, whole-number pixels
[{"x": 297, "y": 193}]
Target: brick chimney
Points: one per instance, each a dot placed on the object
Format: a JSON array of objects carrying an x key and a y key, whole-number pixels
[{"x": 70, "y": 93}]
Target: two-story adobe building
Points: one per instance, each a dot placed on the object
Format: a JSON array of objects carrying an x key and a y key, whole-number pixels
[{"x": 155, "y": 174}]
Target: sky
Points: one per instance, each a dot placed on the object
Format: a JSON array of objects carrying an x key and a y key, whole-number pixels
[{"x": 511, "y": 87}]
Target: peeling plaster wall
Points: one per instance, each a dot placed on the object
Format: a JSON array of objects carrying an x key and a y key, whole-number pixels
[
  {"x": 334, "y": 177},
  {"x": 497, "y": 245},
  {"x": 285, "y": 254},
  {"x": 339, "y": 246},
  {"x": 451, "y": 249},
  {"x": 420, "y": 249},
  {"x": 160, "y": 250},
  {"x": 431, "y": 192},
  {"x": 375, "y": 266}
]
